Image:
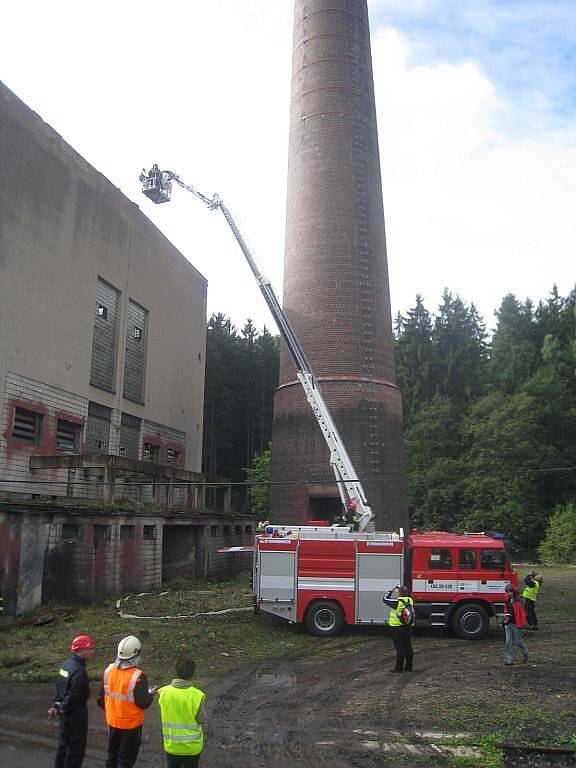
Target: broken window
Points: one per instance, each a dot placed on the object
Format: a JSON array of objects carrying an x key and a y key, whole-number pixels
[
  {"x": 152, "y": 453},
  {"x": 130, "y": 436},
  {"x": 70, "y": 532},
  {"x": 27, "y": 426},
  {"x": 149, "y": 532},
  {"x": 68, "y": 436},
  {"x": 105, "y": 337},
  {"x": 127, "y": 532},
  {"x": 98, "y": 428},
  {"x": 173, "y": 456},
  {"x": 102, "y": 533},
  {"x": 135, "y": 354}
]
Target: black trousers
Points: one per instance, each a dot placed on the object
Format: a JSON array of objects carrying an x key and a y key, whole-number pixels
[
  {"x": 72, "y": 740},
  {"x": 123, "y": 746},
  {"x": 182, "y": 761},
  {"x": 530, "y": 607},
  {"x": 401, "y": 637}
]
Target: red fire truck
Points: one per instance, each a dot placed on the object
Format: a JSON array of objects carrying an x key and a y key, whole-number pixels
[{"x": 326, "y": 576}]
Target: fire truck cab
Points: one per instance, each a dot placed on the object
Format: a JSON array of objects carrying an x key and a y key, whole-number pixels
[{"x": 326, "y": 577}]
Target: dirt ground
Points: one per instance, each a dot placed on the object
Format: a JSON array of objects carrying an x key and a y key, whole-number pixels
[{"x": 335, "y": 703}]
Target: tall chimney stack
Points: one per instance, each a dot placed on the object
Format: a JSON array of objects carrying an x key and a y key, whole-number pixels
[{"x": 336, "y": 290}]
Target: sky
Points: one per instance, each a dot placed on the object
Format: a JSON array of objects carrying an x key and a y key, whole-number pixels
[{"x": 476, "y": 103}]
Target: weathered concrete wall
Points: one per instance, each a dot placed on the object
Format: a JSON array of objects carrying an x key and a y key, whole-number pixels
[
  {"x": 77, "y": 555},
  {"x": 62, "y": 226}
]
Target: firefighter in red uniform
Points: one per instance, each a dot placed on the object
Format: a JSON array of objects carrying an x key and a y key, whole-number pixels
[
  {"x": 70, "y": 704},
  {"x": 124, "y": 696}
]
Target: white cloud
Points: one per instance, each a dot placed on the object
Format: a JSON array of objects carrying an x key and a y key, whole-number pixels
[
  {"x": 204, "y": 88},
  {"x": 466, "y": 206}
]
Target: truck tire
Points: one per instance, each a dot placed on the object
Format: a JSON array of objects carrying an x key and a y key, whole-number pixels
[
  {"x": 470, "y": 621},
  {"x": 325, "y": 619}
]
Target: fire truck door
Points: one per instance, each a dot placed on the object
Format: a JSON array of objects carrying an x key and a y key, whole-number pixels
[
  {"x": 276, "y": 591},
  {"x": 375, "y": 575}
]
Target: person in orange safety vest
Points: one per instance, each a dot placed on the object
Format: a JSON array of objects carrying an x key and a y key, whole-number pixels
[{"x": 124, "y": 696}]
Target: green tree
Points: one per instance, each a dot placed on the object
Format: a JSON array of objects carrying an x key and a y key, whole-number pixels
[
  {"x": 514, "y": 354},
  {"x": 460, "y": 350},
  {"x": 433, "y": 458},
  {"x": 559, "y": 542},
  {"x": 414, "y": 358},
  {"x": 258, "y": 476}
]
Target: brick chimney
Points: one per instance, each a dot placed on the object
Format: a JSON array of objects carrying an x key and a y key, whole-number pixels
[{"x": 336, "y": 290}]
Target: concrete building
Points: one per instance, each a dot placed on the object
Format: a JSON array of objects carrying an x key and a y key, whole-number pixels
[
  {"x": 102, "y": 342},
  {"x": 336, "y": 290}
]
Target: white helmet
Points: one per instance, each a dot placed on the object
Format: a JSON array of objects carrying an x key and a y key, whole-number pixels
[{"x": 129, "y": 647}]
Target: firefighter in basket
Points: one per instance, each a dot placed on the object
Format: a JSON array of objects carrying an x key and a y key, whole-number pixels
[{"x": 402, "y": 618}]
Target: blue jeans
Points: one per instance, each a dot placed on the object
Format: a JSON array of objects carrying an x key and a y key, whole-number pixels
[{"x": 514, "y": 637}]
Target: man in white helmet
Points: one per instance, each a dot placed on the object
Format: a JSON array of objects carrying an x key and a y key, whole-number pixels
[{"x": 124, "y": 696}]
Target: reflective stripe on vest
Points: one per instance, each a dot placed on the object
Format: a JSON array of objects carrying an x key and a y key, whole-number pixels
[
  {"x": 531, "y": 592},
  {"x": 395, "y": 620},
  {"x": 119, "y": 685},
  {"x": 182, "y": 733}
]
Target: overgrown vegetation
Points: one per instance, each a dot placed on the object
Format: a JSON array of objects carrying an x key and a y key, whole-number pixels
[{"x": 490, "y": 424}]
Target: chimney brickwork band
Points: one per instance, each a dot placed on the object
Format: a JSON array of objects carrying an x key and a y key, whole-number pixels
[{"x": 336, "y": 290}]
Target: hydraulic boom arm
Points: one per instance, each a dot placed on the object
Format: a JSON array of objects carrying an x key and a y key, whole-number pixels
[{"x": 350, "y": 488}]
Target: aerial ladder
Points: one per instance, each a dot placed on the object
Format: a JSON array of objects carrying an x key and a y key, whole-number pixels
[{"x": 157, "y": 186}]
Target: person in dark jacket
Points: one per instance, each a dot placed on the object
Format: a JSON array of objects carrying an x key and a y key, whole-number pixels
[
  {"x": 399, "y": 599},
  {"x": 70, "y": 704},
  {"x": 124, "y": 695},
  {"x": 514, "y": 620}
]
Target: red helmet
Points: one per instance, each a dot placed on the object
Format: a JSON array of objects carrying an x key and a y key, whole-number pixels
[{"x": 82, "y": 643}]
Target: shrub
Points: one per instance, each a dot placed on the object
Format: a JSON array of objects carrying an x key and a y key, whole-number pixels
[{"x": 559, "y": 542}]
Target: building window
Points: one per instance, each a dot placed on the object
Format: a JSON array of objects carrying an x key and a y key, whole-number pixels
[
  {"x": 70, "y": 532},
  {"x": 98, "y": 428},
  {"x": 68, "y": 436},
  {"x": 27, "y": 426},
  {"x": 130, "y": 436},
  {"x": 105, "y": 337},
  {"x": 173, "y": 456},
  {"x": 248, "y": 530},
  {"x": 102, "y": 533},
  {"x": 227, "y": 530},
  {"x": 127, "y": 532},
  {"x": 238, "y": 530},
  {"x": 149, "y": 532},
  {"x": 135, "y": 355},
  {"x": 440, "y": 559},
  {"x": 214, "y": 531},
  {"x": 152, "y": 453}
]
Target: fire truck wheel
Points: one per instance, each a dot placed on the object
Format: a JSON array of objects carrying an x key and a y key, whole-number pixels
[
  {"x": 325, "y": 619},
  {"x": 470, "y": 622}
]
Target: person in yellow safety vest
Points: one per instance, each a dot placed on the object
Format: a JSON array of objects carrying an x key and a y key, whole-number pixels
[
  {"x": 124, "y": 696},
  {"x": 183, "y": 716},
  {"x": 532, "y": 584},
  {"x": 401, "y": 621}
]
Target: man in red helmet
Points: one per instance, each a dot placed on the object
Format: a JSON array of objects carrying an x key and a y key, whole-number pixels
[{"x": 70, "y": 703}]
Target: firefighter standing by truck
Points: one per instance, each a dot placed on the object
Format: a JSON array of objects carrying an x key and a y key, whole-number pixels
[
  {"x": 70, "y": 704},
  {"x": 532, "y": 584},
  {"x": 401, "y": 622},
  {"x": 124, "y": 696}
]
